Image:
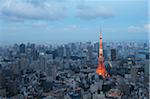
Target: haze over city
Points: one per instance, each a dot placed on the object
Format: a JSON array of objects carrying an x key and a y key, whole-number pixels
[{"x": 63, "y": 21}]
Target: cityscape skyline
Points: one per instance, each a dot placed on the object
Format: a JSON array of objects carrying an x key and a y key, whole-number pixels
[
  {"x": 69, "y": 71},
  {"x": 72, "y": 21},
  {"x": 74, "y": 49}
]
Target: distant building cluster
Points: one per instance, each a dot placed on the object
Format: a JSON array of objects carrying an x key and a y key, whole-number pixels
[{"x": 30, "y": 71}]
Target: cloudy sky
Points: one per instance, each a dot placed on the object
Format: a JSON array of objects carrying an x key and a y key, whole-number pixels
[{"x": 61, "y": 21}]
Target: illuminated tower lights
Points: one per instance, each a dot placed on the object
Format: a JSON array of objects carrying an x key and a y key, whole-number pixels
[{"x": 101, "y": 70}]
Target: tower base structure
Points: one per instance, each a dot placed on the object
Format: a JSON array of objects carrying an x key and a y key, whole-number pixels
[{"x": 102, "y": 72}]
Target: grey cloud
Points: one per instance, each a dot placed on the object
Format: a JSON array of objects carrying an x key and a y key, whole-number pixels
[
  {"x": 92, "y": 12},
  {"x": 139, "y": 29},
  {"x": 28, "y": 10}
]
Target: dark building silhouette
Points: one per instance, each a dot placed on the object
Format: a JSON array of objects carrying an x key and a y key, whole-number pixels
[
  {"x": 22, "y": 48},
  {"x": 113, "y": 54}
]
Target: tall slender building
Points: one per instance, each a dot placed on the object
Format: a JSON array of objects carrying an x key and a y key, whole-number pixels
[{"x": 101, "y": 70}]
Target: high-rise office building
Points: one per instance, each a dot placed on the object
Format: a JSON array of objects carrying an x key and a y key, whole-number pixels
[
  {"x": 22, "y": 48},
  {"x": 113, "y": 54}
]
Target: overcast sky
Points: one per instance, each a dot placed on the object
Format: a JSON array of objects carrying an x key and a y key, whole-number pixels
[{"x": 61, "y": 21}]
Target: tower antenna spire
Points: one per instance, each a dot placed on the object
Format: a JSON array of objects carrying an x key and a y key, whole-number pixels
[{"x": 100, "y": 30}]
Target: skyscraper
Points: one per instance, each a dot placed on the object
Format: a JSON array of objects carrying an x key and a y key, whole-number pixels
[
  {"x": 101, "y": 70},
  {"x": 113, "y": 54},
  {"x": 22, "y": 48}
]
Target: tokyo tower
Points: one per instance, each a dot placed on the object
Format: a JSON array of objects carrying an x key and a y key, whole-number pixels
[{"x": 101, "y": 70}]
